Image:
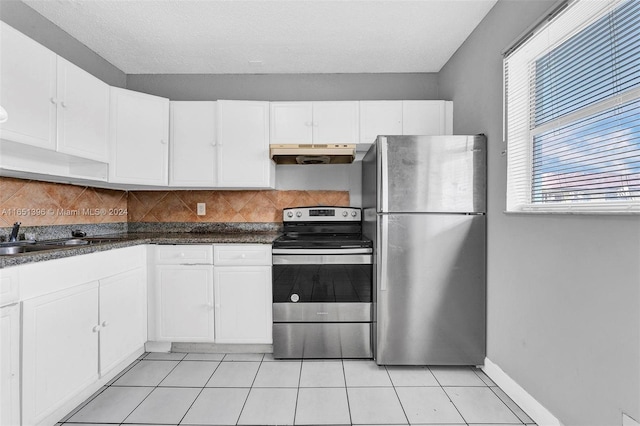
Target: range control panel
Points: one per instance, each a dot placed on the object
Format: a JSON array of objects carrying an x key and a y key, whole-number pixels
[{"x": 322, "y": 214}]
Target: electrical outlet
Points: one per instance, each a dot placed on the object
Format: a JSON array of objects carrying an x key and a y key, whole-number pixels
[{"x": 201, "y": 209}]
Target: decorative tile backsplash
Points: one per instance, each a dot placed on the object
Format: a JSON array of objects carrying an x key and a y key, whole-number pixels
[
  {"x": 36, "y": 203},
  {"x": 225, "y": 206}
]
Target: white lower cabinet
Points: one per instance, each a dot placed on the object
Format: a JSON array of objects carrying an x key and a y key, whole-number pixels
[
  {"x": 10, "y": 365},
  {"x": 83, "y": 317},
  {"x": 211, "y": 293},
  {"x": 243, "y": 304},
  {"x": 184, "y": 303},
  {"x": 60, "y": 349},
  {"x": 123, "y": 317}
]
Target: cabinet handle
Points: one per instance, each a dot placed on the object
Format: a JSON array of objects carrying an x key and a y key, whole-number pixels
[
  {"x": 181, "y": 254},
  {"x": 308, "y": 123},
  {"x": 63, "y": 104},
  {"x": 163, "y": 142},
  {"x": 53, "y": 100},
  {"x": 213, "y": 144},
  {"x": 96, "y": 328},
  {"x": 105, "y": 323},
  {"x": 242, "y": 256},
  {"x": 217, "y": 306}
]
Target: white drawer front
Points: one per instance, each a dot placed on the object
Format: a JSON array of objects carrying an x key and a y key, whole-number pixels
[
  {"x": 242, "y": 254},
  {"x": 9, "y": 286},
  {"x": 184, "y": 255}
]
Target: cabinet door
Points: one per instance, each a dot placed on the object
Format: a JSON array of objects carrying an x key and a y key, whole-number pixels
[
  {"x": 139, "y": 149},
  {"x": 83, "y": 113},
  {"x": 291, "y": 122},
  {"x": 336, "y": 122},
  {"x": 184, "y": 303},
  {"x": 27, "y": 90},
  {"x": 60, "y": 349},
  {"x": 379, "y": 118},
  {"x": 426, "y": 118},
  {"x": 243, "y": 304},
  {"x": 10, "y": 365},
  {"x": 243, "y": 145},
  {"x": 193, "y": 144},
  {"x": 123, "y": 317}
]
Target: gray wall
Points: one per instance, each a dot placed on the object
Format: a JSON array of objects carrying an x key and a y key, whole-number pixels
[
  {"x": 287, "y": 87},
  {"x": 31, "y": 23},
  {"x": 563, "y": 291}
]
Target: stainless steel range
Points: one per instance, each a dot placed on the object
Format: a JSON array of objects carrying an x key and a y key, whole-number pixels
[{"x": 322, "y": 285}]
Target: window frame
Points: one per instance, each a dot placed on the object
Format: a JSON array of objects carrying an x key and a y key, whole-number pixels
[{"x": 559, "y": 28}]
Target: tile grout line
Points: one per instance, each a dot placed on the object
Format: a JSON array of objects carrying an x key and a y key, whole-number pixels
[
  {"x": 448, "y": 397},
  {"x": 397, "y": 396},
  {"x": 344, "y": 376},
  {"x": 201, "y": 390},
  {"x": 295, "y": 409},
  {"x": 250, "y": 387},
  {"x": 507, "y": 405},
  {"x": 154, "y": 388}
]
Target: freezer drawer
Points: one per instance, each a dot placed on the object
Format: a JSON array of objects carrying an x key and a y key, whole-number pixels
[{"x": 322, "y": 340}]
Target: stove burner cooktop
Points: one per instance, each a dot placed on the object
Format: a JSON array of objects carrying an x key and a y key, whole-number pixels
[{"x": 322, "y": 227}]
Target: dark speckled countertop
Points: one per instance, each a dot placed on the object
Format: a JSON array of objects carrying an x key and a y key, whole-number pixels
[{"x": 137, "y": 238}]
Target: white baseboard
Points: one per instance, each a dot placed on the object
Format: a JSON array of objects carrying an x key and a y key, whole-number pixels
[
  {"x": 529, "y": 404},
  {"x": 628, "y": 421}
]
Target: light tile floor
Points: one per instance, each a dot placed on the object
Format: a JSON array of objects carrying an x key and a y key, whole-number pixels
[{"x": 255, "y": 389}]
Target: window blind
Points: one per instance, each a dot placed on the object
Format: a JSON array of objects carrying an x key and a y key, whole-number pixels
[{"x": 572, "y": 104}]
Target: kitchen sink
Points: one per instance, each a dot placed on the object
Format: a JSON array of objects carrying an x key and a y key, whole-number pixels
[{"x": 20, "y": 247}]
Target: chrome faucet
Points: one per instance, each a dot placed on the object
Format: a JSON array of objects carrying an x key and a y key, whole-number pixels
[{"x": 14, "y": 232}]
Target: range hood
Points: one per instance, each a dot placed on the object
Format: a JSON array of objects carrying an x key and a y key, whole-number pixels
[{"x": 312, "y": 154}]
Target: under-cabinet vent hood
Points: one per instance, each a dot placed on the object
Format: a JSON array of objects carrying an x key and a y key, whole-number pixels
[{"x": 313, "y": 154}]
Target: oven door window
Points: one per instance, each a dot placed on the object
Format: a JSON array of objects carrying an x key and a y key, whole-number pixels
[{"x": 322, "y": 278}]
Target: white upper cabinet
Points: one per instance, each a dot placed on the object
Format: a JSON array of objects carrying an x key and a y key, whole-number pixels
[
  {"x": 379, "y": 118},
  {"x": 427, "y": 117},
  {"x": 51, "y": 103},
  {"x": 291, "y": 122},
  {"x": 336, "y": 122},
  {"x": 27, "y": 90},
  {"x": 83, "y": 113},
  {"x": 314, "y": 122},
  {"x": 193, "y": 144},
  {"x": 139, "y": 148},
  {"x": 243, "y": 145}
]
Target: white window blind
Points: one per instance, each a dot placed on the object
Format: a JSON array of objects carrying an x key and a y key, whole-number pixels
[{"x": 572, "y": 103}]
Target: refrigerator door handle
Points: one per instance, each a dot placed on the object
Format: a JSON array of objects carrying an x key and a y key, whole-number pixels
[
  {"x": 383, "y": 190},
  {"x": 383, "y": 239}
]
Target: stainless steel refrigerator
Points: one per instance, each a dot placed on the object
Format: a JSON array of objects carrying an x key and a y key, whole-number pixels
[{"x": 424, "y": 200}]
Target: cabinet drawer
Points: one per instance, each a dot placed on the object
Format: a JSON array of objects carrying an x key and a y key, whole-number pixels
[
  {"x": 242, "y": 254},
  {"x": 184, "y": 255}
]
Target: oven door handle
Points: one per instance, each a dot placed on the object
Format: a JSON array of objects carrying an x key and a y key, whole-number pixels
[
  {"x": 323, "y": 259},
  {"x": 337, "y": 252}
]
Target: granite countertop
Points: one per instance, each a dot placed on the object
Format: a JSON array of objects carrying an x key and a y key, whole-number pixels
[{"x": 137, "y": 238}]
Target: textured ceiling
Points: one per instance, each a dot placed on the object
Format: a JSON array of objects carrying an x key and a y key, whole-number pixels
[{"x": 268, "y": 36}]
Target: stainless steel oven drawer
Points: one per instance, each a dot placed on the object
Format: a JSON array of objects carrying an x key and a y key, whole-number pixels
[
  {"x": 322, "y": 340},
  {"x": 322, "y": 312}
]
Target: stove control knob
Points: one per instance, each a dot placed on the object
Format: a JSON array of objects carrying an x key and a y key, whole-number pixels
[
  {"x": 289, "y": 214},
  {"x": 353, "y": 214},
  {"x": 298, "y": 214},
  {"x": 344, "y": 214},
  {"x": 295, "y": 298}
]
